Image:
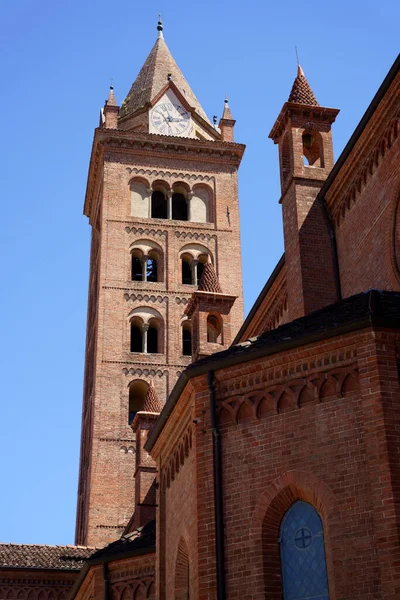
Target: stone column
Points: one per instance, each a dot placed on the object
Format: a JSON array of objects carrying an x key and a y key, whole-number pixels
[
  {"x": 194, "y": 272},
  {"x": 169, "y": 209},
  {"x": 149, "y": 192},
  {"x": 144, "y": 267},
  {"x": 189, "y": 205},
  {"x": 145, "y": 328}
]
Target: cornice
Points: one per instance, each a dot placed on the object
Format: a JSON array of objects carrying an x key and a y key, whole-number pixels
[
  {"x": 301, "y": 112},
  {"x": 157, "y": 146}
]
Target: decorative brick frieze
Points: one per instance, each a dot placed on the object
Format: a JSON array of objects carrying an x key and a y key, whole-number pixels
[
  {"x": 171, "y": 176},
  {"x": 291, "y": 395}
]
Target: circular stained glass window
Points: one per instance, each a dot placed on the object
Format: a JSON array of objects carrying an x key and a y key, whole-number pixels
[{"x": 303, "y": 538}]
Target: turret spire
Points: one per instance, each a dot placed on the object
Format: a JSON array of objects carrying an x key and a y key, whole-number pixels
[
  {"x": 160, "y": 27},
  {"x": 111, "y": 101},
  {"x": 301, "y": 92},
  {"x": 227, "y": 111}
]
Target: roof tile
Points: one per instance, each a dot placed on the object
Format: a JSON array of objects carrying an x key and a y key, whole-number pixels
[
  {"x": 301, "y": 92},
  {"x": 35, "y": 556}
]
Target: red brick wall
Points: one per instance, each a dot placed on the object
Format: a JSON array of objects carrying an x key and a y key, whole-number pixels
[
  {"x": 318, "y": 423},
  {"x": 365, "y": 236},
  {"x": 313, "y": 424},
  {"x": 363, "y": 201},
  {"x": 107, "y": 494}
]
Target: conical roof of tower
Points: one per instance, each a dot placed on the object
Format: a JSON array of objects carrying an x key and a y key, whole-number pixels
[
  {"x": 209, "y": 280},
  {"x": 227, "y": 111},
  {"x": 301, "y": 90},
  {"x": 153, "y": 77},
  {"x": 151, "y": 402},
  {"x": 111, "y": 101}
]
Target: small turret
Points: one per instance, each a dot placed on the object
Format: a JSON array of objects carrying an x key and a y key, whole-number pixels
[
  {"x": 303, "y": 134},
  {"x": 111, "y": 111},
  {"x": 145, "y": 471},
  {"x": 209, "y": 310},
  {"x": 227, "y": 123}
]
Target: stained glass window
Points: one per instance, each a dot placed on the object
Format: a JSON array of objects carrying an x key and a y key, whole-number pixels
[{"x": 302, "y": 545}]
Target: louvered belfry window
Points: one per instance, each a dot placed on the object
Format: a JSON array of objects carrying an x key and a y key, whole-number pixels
[{"x": 304, "y": 574}]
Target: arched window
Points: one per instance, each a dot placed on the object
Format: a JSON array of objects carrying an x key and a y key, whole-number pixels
[
  {"x": 137, "y": 395},
  {"x": 187, "y": 272},
  {"x": 179, "y": 207},
  {"x": 304, "y": 573},
  {"x": 159, "y": 207},
  {"x": 186, "y": 338},
  {"x": 146, "y": 330},
  {"x": 152, "y": 337},
  {"x": 137, "y": 267},
  {"x": 214, "y": 329},
  {"x": 312, "y": 149},
  {"x": 147, "y": 261},
  {"x": 136, "y": 335}
]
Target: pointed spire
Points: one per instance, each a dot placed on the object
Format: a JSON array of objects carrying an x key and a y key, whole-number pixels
[
  {"x": 227, "y": 111},
  {"x": 209, "y": 280},
  {"x": 111, "y": 101},
  {"x": 160, "y": 27},
  {"x": 151, "y": 402},
  {"x": 158, "y": 69},
  {"x": 301, "y": 92}
]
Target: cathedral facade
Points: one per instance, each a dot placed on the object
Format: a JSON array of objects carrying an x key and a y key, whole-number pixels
[{"x": 223, "y": 458}]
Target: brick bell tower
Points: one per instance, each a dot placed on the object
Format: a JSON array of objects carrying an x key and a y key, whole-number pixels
[
  {"x": 162, "y": 201},
  {"x": 303, "y": 133}
]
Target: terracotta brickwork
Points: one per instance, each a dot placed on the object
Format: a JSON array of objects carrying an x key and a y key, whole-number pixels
[
  {"x": 306, "y": 424},
  {"x": 364, "y": 203},
  {"x": 28, "y": 584},
  {"x": 131, "y": 577},
  {"x": 124, "y": 161}
]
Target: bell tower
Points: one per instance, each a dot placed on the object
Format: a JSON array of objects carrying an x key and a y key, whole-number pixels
[
  {"x": 162, "y": 201},
  {"x": 303, "y": 134}
]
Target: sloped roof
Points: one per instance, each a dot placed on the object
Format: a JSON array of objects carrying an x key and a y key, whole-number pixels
[
  {"x": 374, "y": 308},
  {"x": 141, "y": 540},
  {"x": 36, "y": 556},
  {"x": 209, "y": 280},
  {"x": 301, "y": 92},
  {"x": 152, "y": 79}
]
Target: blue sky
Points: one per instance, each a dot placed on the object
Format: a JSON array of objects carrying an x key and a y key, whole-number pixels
[{"x": 57, "y": 61}]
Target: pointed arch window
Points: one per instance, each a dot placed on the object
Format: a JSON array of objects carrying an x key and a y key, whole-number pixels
[{"x": 304, "y": 573}]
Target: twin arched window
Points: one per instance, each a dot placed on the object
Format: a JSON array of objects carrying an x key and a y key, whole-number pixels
[
  {"x": 146, "y": 331},
  {"x": 146, "y": 263},
  {"x": 192, "y": 265},
  {"x": 169, "y": 205},
  {"x": 302, "y": 548}
]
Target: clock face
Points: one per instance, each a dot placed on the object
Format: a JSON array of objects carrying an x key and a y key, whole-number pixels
[{"x": 170, "y": 119}]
